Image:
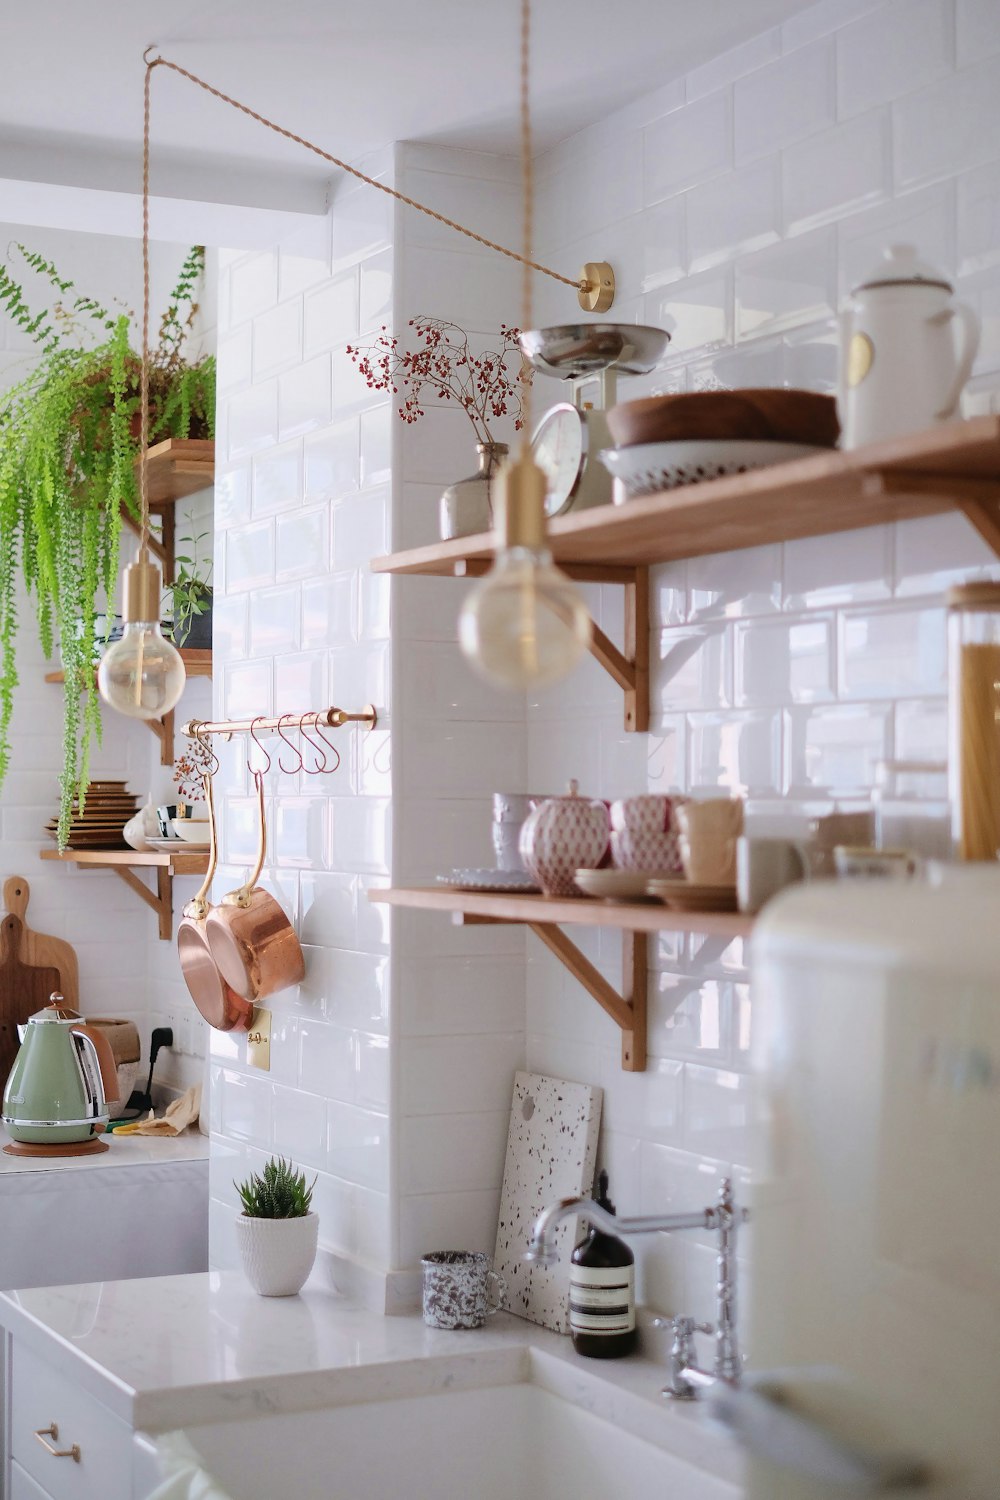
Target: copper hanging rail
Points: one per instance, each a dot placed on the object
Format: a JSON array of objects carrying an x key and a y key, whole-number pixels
[{"x": 330, "y": 718}]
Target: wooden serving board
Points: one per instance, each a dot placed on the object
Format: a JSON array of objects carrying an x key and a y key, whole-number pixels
[
  {"x": 551, "y": 1151},
  {"x": 24, "y": 988},
  {"x": 40, "y": 950}
]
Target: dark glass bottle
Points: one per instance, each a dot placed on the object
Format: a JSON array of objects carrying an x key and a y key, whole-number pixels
[{"x": 602, "y": 1291}]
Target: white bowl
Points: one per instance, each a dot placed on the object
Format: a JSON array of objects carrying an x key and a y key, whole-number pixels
[{"x": 191, "y": 830}]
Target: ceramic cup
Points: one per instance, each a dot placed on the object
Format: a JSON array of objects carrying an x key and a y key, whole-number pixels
[
  {"x": 860, "y": 862},
  {"x": 510, "y": 809},
  {"x": 764, "y": 867},
  {"x": 165, "y": 818},
  {"x": 658, "y": 852},
  {"x": 460, "y": 1289},
  {"x": 708, "y": 834},
  {"x": 854, "y": 828}
]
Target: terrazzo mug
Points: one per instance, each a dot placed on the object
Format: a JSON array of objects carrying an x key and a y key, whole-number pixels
[{"x": 461, "y": 1289}]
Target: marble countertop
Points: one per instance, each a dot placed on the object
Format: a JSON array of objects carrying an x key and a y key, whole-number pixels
[
  {"x": 175, "y": 1351},
  {"x": 123, "y": 1151}
]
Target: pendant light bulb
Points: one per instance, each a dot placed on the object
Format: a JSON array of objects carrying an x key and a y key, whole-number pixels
[
  {"x": 524, "y": 624},
  {"x": 142, "y": 675}
]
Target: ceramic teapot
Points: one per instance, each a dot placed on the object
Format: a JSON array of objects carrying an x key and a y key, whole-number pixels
[
  {"x": 901, "y": 367},
  {"x": 561, "y": 836},
  {"x": 61, "y": 1079}
]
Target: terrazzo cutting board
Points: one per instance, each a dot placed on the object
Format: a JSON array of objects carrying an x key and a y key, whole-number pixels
[{"x": 551, "y": 1153}]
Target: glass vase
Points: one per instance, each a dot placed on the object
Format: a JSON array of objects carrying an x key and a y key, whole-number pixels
[{"x": 466, "y": 507}]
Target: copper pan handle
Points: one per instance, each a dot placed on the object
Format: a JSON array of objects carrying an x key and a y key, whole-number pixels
[
  {"x": 197, "y": 907},
  {"x": 243, "y": 895}
]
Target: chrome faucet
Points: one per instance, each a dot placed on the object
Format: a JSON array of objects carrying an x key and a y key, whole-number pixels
[{"x": 724, "y": 1216}]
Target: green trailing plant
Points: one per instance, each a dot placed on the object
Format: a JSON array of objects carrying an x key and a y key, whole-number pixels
[
  {"x": 69, "y": 439},
  {"x": 279, "y": 1192},
  {"x": 191, "y": 590}
]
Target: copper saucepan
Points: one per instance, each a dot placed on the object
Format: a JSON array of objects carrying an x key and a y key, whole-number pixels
[
  {"x": 252, "y": 941},
  {"x": 221, "y": 1006}
]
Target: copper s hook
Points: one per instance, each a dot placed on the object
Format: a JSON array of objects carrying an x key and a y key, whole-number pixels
[
  {"x": 260, "y": 747},
  {"x": 319, "y": 769},
  {"x": 329, "y": 745},
  {"x": 294, "y": 770},
  {"x": 197, "y": 731}
]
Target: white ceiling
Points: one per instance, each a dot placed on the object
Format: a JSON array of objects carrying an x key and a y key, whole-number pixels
[{"x": 349, "y": 76}]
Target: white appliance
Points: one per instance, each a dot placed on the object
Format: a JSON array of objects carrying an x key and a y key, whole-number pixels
[{"x": 876, "y": 1240}]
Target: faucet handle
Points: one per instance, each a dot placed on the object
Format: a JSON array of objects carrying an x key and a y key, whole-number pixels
[{"x": 682, "y": 1327}]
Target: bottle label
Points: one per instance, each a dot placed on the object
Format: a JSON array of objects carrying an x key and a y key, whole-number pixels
[{"x": 602, "y": 1299}]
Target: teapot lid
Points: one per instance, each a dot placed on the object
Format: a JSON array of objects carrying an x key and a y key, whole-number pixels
[
  {"x": 56, "y": 1012},
  {"x": 901, "y": 266}
]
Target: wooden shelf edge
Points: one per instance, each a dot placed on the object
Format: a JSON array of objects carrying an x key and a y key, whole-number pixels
[
  {"x": 178, "y": 467},
  {"x": 563, "y": 911},
  {"x": 197, "y": 663},
  {"x": 919, "y": 474},
  {"x": 178, "y": 864}
]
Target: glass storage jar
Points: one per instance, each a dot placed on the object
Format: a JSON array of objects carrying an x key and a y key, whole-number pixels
[{"x": 974, "y": 719}]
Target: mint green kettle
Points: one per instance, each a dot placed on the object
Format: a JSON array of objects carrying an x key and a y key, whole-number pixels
[{"x": 59, "y": 1085}]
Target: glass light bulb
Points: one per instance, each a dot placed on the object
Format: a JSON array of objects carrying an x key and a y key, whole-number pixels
[
  {"x": 524, "y": 624},
  {"x": 142, "y": 675}
]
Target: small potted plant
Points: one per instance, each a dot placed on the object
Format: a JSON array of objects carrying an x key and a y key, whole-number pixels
[
  {"x": 191, "y": 595},
  {"x": 277, "y": 1231}
]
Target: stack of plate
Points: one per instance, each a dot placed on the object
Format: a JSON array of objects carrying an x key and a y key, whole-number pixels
[
  {"x": 107, "y": 808},
  {"x": 664, "y": 442}
]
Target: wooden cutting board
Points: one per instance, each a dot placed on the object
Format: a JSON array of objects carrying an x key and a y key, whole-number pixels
[
  {"x": 551, "y": 1151},
  {"x": 24, "y": 988},
  {"x": 39, "y": 950}
]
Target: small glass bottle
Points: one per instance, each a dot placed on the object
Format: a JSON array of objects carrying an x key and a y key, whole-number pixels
[
  {"x": 974, "y": 719},
  {"x": 602, "y": 1291}
]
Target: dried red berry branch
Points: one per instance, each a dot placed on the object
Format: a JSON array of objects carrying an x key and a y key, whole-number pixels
[{"x": 486, "y": 386}]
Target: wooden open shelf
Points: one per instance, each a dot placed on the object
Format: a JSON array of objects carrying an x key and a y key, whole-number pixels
[
  {"x": 952, "y": 467},
  {"x": 637, "y": 916},
  {"x": 196, "y": 664},
  {"x": 179, "y": 467},
  {"x": 545, "y": 915},
  {"x": 125, "y": 862}
]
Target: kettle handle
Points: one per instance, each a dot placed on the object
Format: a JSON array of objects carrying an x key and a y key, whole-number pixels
[
  {"x": 970, "y": 348},
  {"x": 105, "y": 1057}
]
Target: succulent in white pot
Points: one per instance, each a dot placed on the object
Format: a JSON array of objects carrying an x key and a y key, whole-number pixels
[{"x": 277, "y": 1231}]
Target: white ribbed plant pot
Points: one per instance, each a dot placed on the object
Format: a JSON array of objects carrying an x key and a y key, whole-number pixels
[{"x": 277, "y": 1254}]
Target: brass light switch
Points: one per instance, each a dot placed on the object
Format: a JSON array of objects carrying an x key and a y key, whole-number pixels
[{"x": 259, "y": 1040}]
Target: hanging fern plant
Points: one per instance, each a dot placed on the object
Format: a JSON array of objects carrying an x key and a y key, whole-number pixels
[{"x": 69, "y": 439}]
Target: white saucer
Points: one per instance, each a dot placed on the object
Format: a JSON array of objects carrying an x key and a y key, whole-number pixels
[
  {"x": 510, "y": 881},
  {"x": 616, "y": 885},
  {"x": 176, "y": 846}
]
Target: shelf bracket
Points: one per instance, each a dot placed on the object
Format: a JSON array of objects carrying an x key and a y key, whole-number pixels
[
  {"x": 628, "y": 1009},
  {"x": 162, "y": 902},
  {"x": 163, "y": 730},
  {"x": 629, "y": 668},
  {"x": 978, "y": 498}
]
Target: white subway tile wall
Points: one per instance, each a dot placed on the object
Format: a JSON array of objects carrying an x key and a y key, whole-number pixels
[
  {"x": 303, "y": 439},
  {"x": 737, "y": 205},
  {"x": 782, "y": 672}
]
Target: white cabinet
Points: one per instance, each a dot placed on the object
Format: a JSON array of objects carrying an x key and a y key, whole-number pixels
[
  {"x": 50, "y": 1417},
  {"x": 23, "y": 1487}
]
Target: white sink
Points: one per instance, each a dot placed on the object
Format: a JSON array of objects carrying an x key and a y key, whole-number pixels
[{"x": 494, "y": 1444}]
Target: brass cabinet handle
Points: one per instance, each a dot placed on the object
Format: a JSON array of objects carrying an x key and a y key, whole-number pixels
[{"x": 44, "y": 1433}]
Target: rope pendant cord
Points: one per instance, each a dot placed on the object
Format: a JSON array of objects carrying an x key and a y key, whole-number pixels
[
  {"x": 528, "y": 211},
  {"x": 529, "y": 265},
  {"x": 144, "y": 373}
]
